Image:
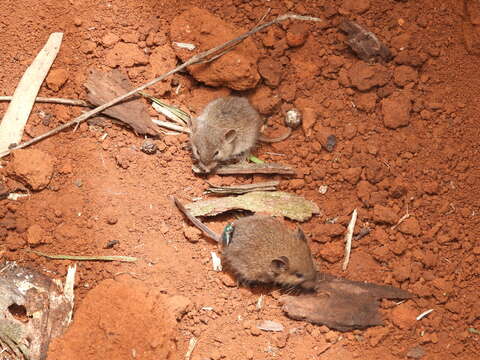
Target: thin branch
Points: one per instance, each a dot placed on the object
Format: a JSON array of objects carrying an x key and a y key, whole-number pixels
[
  {"x": 348, "y": 239},
  {"x": 264, "y": 16},
  {"x": 198, "y": 58},
  {"x": 247, "y": 169},
  {"x": 87, "y": 258},
  {"x": 243, "y": 188},
  {"x": 191, "y": 346},
  {"x": 402, "y": 219},
  {"x": 53, "y": 100}
]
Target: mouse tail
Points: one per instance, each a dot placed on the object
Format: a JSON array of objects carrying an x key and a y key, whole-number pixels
[{"x": 266, "y": 139}]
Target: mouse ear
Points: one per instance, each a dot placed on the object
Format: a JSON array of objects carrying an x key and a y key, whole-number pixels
[
  {"x": 280, "y": 264},
  {"x": 230, "y": 135},
  {"x": 300, "y": 235}
]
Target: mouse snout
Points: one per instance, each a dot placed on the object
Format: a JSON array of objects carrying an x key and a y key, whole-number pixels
[
  {"x": 308, "y": 281},
  {"x": 207, "y": 167}
]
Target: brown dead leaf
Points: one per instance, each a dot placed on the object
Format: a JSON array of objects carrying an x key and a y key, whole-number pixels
[
  {"x": 105, "y": 86},
  {"x": 341, "y": 304},
  {"x": 365, "y": 43}
]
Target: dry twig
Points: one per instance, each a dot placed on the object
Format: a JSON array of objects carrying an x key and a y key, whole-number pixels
[
  {"x": 87, "y": 258},
  {"x": 402, "y": 219},
  {"x": 348, "y": 239},
  {"x": 191, "y": 346},
  {"x": 202, "y": 57},
  {"x": 247, "y": 168},
  {"x": 244, "y": 188},
  {"x": 53, "y": 100}
]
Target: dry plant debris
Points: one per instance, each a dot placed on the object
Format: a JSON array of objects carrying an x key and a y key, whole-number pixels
[
  {"x": 105, "y": 86},
  {"x": 276, "y": 203},
  {"x": 365, "y": 43},
  {"x": 18, "y": 112},
  {"x": 87, "y": 258},
  {"x": 252, "y": 168},
  {"x": 348, "y": 239},
  {"x": 341, "y": 304},
  {"x": 34, "y": 308},
  {"x": 243, "y": 188}
]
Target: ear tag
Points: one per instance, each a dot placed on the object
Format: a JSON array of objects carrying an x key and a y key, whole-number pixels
[{"x": 227, "y": 234}]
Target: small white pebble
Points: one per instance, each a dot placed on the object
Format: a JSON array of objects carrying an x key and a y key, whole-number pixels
[
  {"x": 323, "y": 189},
  {"x": 268, "y": 325},
  {"x": 260, "y": 302},
  {"x": 293, "y": 118},
  {"x": 216, "y": 262},
  {"x": 16, "y": 196},
  {"x": 185, "y": 45}
]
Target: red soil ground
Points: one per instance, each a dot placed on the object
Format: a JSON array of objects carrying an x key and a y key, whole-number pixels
[{"x": 408, "y": 140}]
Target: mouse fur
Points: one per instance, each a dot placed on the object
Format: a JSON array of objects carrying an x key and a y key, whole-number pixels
[
  {"x": 263, "y": 249},
  {"x": 227, "y": 128}
]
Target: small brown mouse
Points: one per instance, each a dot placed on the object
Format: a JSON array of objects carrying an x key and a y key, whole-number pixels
[
  {"x": 262, "y": 249},
  {"x": 227, "y": 128}
]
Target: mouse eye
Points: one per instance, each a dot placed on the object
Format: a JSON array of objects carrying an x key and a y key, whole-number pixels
[
  {"x": 215, "y": 154},
  {"x": 299, "y": 275}
]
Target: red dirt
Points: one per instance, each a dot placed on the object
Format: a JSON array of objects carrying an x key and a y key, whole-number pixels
[
  {"x": 411, "y": 145},
  {"x": 119, "y": 319}
]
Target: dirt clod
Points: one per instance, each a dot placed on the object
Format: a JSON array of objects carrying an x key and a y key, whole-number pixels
[
  {"x": 396, "y": 111},
  {"x": 192, "y": 234},
  {"x": 410, "y": 227},
  {"x": 35, "y": 235},
  {"x": 110, "y": 39},
  {"x": 114, "y": 311},
  {"x": 125, "y": 55},
  {"x": 14, "y": 241},
  {"x": 364, "y": 76},
  {"x": 297, "y": 34},
  {"x": 236, "y": 70},
  {"x": 366, "y": 101},
  {"x": 384, "y": 215},
  {"x": 32, "y": 167},
  {"x": 404, "y": 75},
  {"x": 56, "y": 79},
  {"x": 270, "y": 70},
  {"x": 404, "y": 316},
  {"x": 356, "y": 6}
]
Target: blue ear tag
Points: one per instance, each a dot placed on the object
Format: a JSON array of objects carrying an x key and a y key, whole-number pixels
[{"x": 227, "y": 235}]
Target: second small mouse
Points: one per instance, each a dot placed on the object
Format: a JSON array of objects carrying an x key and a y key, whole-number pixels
[
  {"x": 262, "y": 249},
  {"x": 227, "y": 128}
]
